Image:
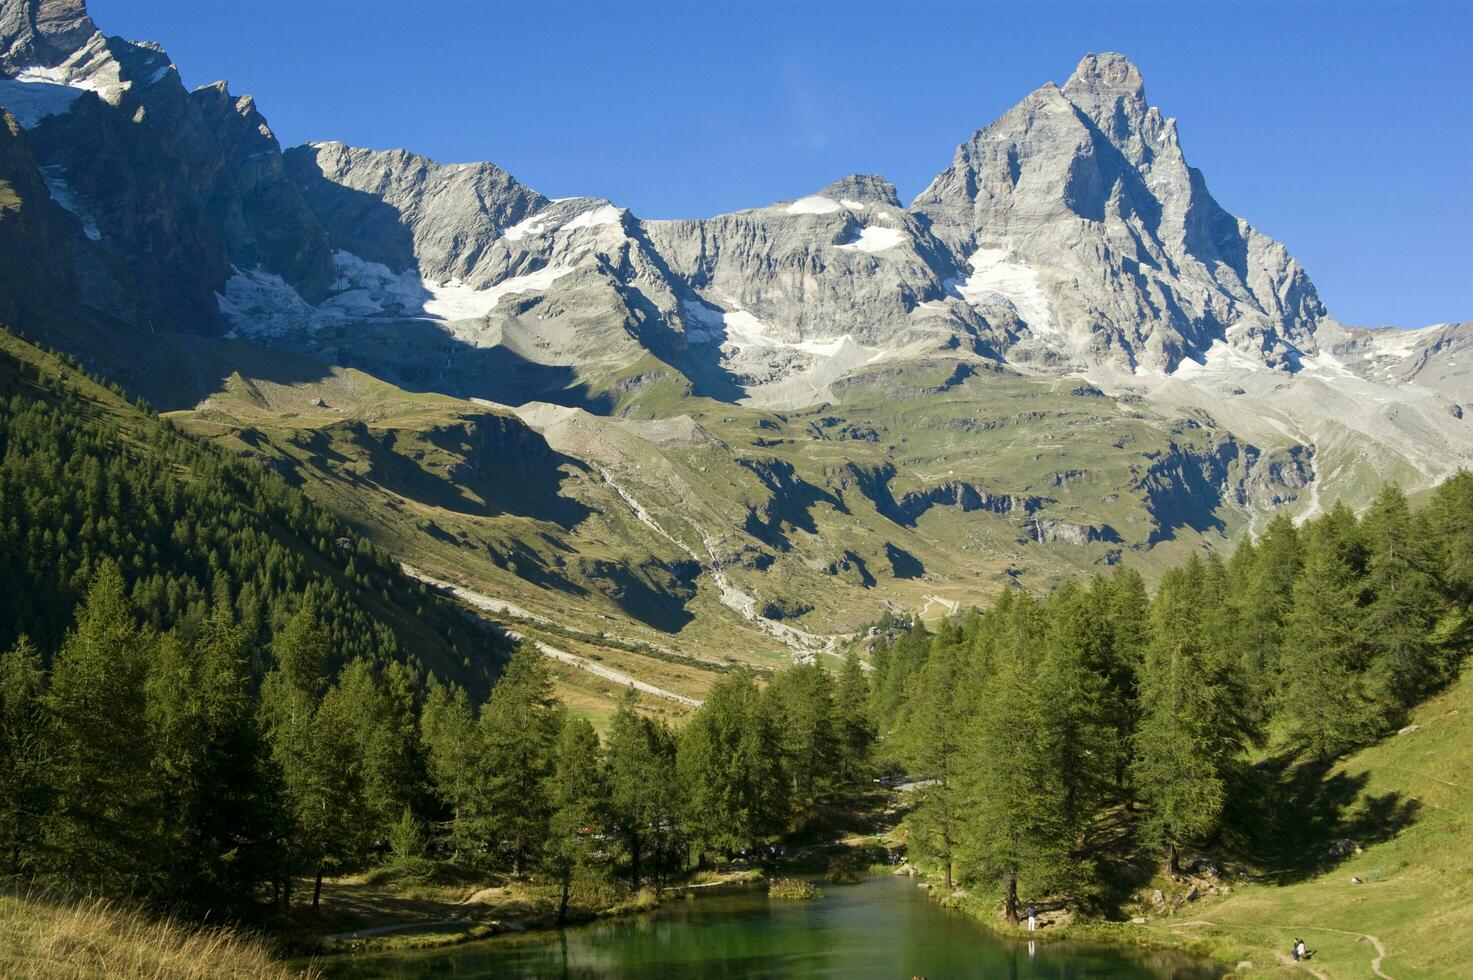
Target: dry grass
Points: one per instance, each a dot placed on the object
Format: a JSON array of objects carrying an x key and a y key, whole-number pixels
[{"x": 45, "y": 938}]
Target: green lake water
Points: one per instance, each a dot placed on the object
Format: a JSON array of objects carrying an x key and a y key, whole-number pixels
[{"x": 884, "y": 927}]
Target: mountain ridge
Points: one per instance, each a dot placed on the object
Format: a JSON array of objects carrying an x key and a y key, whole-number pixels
[{"x": 1064, "y": 317}]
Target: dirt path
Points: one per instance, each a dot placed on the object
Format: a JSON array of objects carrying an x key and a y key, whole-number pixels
[
  {"x": 1289, "y": 961},
  {"x": 1284, "y": 957},
  {"x": 339, "y": 937},
  {"x": 483, "y": 603}
]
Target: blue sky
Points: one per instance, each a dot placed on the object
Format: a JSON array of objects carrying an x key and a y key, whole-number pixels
[{"x": 1344, "y": 130}]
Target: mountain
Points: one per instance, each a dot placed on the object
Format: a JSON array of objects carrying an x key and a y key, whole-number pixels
[{"x": 745, "y": 433}]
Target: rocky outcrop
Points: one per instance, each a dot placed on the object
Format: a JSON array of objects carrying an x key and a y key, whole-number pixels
[
  {"x": 908, "y": 508},
  {"x": 1048, "y": 529},
  {"x": 1185, "y": 485},
  {"x": 37, "y": 279},
  {"x": 406, "y": 211}
]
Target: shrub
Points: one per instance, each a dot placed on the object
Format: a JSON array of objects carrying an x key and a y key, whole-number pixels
[{"x": 792, "y": 889}]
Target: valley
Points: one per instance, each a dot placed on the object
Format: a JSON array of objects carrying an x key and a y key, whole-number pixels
[{"x": 397, "y": 556}]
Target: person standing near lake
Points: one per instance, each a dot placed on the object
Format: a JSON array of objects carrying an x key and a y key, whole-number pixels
[{"x": 1032, "y": 919}]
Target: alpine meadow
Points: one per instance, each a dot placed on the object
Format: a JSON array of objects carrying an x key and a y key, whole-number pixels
[{"x": 405, "y": 572}]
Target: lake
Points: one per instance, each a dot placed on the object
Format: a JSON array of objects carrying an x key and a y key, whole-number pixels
[{"x": 883, "y": 927}]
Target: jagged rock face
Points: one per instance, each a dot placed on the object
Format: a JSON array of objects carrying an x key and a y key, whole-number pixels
[
  {"x": 1078, "y": 210},
  {"x": 1068, "y": 237},
  {"x": 403, "y": 210},
  {"x": 36, "y": 277},
  {"x": 44, "y": 32},
  {"x": 170, "y": 188}
]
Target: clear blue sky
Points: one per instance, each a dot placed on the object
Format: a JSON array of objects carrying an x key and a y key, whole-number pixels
[{"x": 1344, "y": 130}]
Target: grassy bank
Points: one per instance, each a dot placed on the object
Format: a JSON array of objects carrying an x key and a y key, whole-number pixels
[
  {"x": 1408, "y": 803},
  {"x": 1401, "y": 907},
  {"x": 49, "y": 939}
]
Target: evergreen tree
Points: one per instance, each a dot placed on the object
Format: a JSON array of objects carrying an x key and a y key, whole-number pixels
[
  {"x": 644, "y": 799},
  {"x": 383, "y": 729},
  {"x": 106, "y": 806},
  {"x": 929, "y": 743},
  {"x": 447, "y": 730},
  {"x": 578, "y": 799},
  {"x": 518, "y": 732},
  {"x": 1323, "y": 698},
  {"x": 1402, "y": 606},
  {"x": 729, "y": 766},
  {"x": 1269, "y": 591},
  {"x": 24, "y": 757},
  {"x": 801, "y": 704},
  {"x": 855, "y": 731},
  {"x": 222, "y": 823},
  {"x": 1015, "y": 818},
  {"x": 1176, "y": 764}
]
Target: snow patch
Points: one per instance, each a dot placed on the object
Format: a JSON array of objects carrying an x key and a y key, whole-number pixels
[
  {"x": 30, "y": 101},
  {"x": 526, "y": 228},
  {"x": 262, "y": 303},
  {"x": 740, "y": 329},
  {"x": 1220, "y": 361},
  {"x": 61, "y": 192},
  {"x": 852, "y": 205},
  {"x": 995, "y": 281},
  {"x": 90, "y": 75},
  {"x": 605, "y": 215},
  {"x": 457, "y": 301},
  {"x": 875, "y": 240},
  {"x": 814, "y": 204}
]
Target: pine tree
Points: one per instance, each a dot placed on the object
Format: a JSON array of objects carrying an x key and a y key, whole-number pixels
[
  {"x": 578, "y": 800},
  {"x": 1403, "y": 604},
  {"x": 518, "y": 732},
  {"x": 221, "y": 813},
  {"x": 1072, "y": 682},
  {"x": 854, "y": 729},
  {"x": 1015, "y": 818},
  {"x": 106, "y": 806},
  {"x": 643, "y": 795},
  {"x": 1176, "y": 764},
  {"x": 313, "y": 749},
  {"x": 929, "y": 742},
  {"x": 447, "y": 730},
  {"x": 384, "y": 732},
  {"x": 1451, "y": 515},
  {"x": 24, "y": 757},
  {"x": 729, "y": 766},
  {"x": 801, "y": 704},
  {"x": 1278, "y": 560},
  {"x": 1323, "y": 697}
]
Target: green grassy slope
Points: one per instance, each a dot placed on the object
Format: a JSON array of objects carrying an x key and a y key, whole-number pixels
[
  {"x": 1408, "y": 801},
  {"x": 88, "y": 475}
]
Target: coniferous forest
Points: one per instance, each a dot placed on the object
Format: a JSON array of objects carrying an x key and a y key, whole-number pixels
[
  {"x": 212, "y": 693},
  {"x": 1056, "y": 731}
]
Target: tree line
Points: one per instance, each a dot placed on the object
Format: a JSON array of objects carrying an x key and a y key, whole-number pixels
[
  {"x": 1048, "y": 727},
  {"x": 151, "y": 764},
  {"x": 87, "y": 478}
]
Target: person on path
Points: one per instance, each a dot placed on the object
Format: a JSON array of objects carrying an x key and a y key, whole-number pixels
[
  {"x": 1300, "y": 951},
  {"x": 1032, "y": 918},
  {"x": 1294, "y": 949}
]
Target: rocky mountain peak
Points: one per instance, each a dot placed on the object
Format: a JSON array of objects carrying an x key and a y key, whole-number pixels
[
  {"x": 1106, "y": 73},
  {"x": 42, "y": 32},
  {"x": 1108, "y": 89},
  {"x": 865, "y": 188}
]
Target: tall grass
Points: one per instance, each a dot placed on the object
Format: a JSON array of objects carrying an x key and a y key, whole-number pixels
[{"x": 46, "y": 938}]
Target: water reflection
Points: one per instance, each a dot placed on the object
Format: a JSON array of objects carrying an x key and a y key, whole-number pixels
[{"x": 884, "y": 927}]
